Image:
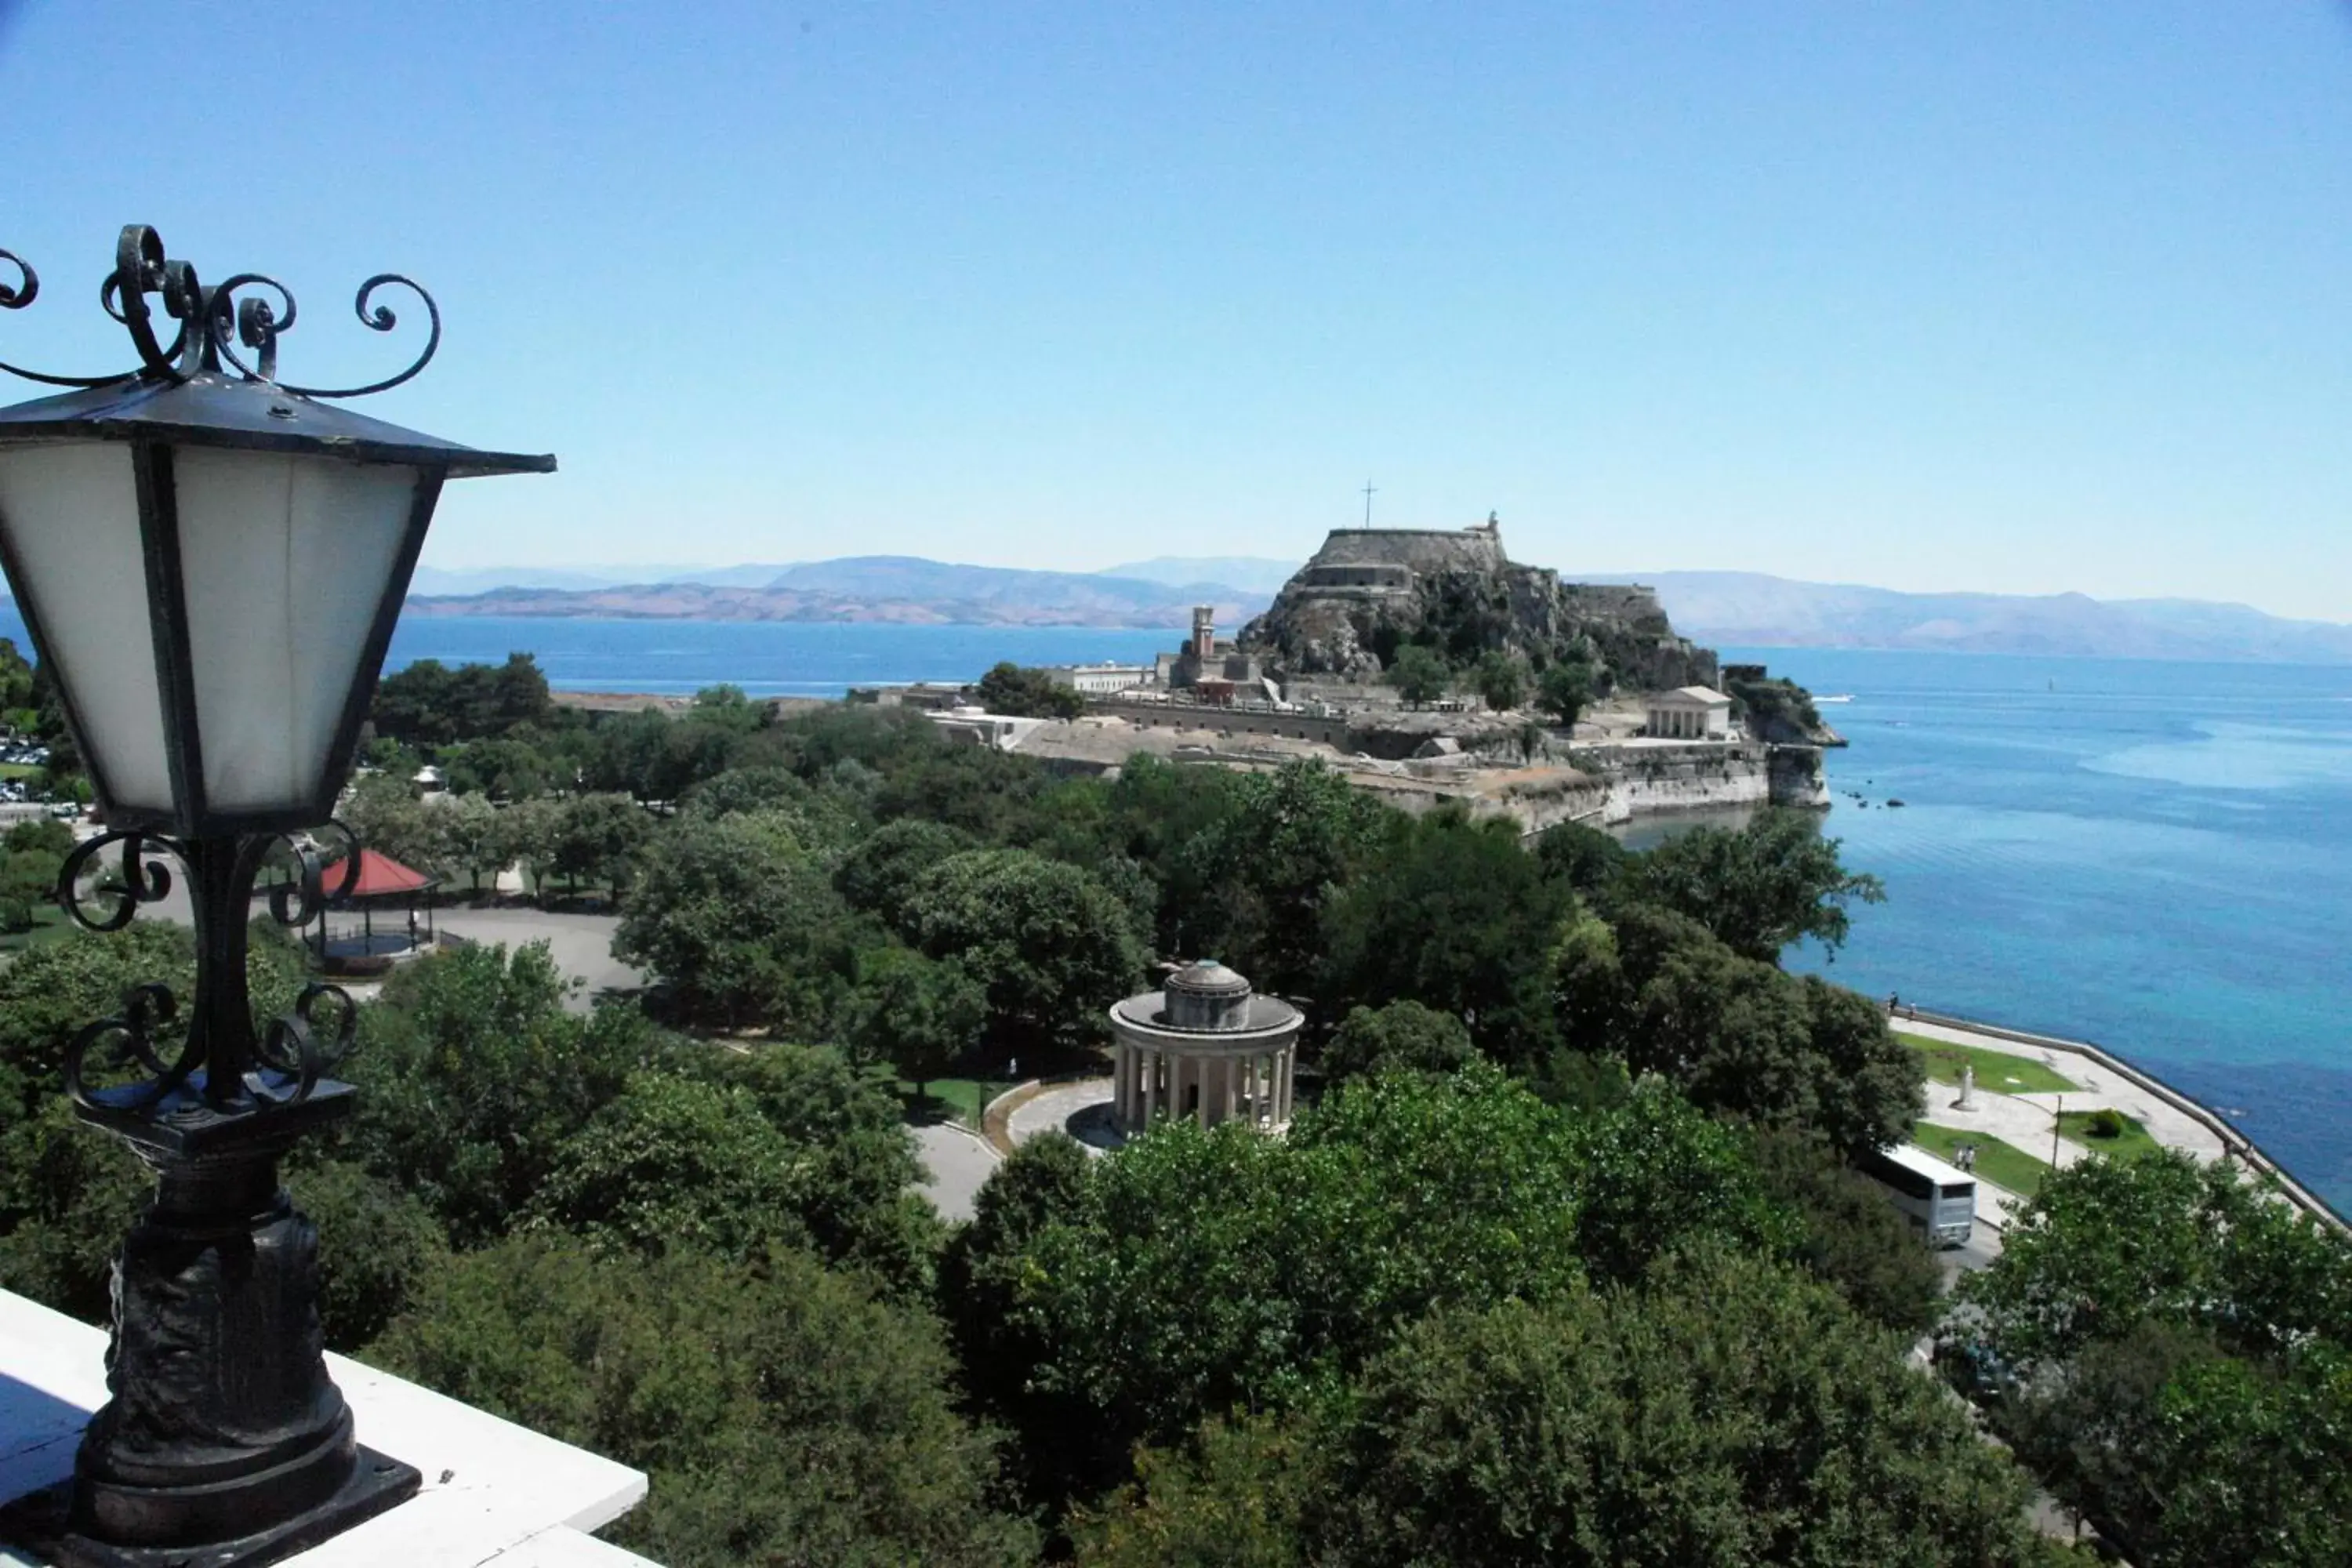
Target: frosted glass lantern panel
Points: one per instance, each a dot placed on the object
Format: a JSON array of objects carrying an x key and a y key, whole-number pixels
[
  {"x": 71, "y": 512},
  {"x": 284, "y": 561}
]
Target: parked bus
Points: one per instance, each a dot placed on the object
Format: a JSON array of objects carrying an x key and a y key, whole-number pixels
[{"x": 1938, "y": 1198}]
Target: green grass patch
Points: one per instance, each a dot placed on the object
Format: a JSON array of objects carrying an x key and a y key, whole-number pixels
[
  {"x": 50, "y": 924},
  {"x": 950, "y": 1098},
  {"x": 1996, "y": 1070},
  {"x": 19, "y": 770},
  {"x": 2130, "y": 1143},
  {"x": 2002, "y": 1164}
]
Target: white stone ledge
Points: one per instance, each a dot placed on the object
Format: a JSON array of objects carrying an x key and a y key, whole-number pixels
[{"x": 493, "y": 1492}]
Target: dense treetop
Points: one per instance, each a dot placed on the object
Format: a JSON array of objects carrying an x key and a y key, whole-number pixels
[{"x": 1565, "y": 1262}]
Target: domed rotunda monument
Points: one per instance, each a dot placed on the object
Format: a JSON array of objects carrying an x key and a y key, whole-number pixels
[{"x": 1207, "y": 1047}]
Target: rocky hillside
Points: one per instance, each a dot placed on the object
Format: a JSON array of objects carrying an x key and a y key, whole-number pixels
[{"x": 1342, "y": 616}]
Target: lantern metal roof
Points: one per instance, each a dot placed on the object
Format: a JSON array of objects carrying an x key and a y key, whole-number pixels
[{"x": 211, "y": 408}]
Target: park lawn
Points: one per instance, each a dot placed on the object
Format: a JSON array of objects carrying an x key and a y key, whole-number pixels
[
  {"x": 19, "y": 770},
  {"x": 2002, "y": 1164},
  {"x": 961, "y": 1098},
  {"x": 2130, "y": 1144},
  {"x": 50, "y": 924},
  {"x": 1996, "y": 1070}
]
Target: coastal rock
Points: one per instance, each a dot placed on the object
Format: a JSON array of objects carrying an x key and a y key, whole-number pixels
[{"x": 1367, "y": 591}]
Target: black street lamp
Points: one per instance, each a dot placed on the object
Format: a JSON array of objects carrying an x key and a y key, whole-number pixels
[{"x": 210, "y": 565}]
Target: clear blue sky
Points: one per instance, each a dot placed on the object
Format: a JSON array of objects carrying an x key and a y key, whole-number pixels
[{"x": 2020, "y": 297}]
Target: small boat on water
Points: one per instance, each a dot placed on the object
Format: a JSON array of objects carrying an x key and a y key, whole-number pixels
[{"x": 1842, "y": 696}]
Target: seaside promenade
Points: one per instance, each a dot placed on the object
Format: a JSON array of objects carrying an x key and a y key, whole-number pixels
[{"x": 2027, "y": 1118}]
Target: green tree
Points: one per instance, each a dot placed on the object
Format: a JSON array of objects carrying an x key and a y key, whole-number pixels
[
  {"x": 1419, "y": 675},
  {"x": 856, "y": 1168},
  {"x": 382, "y": 810},
  {"x": 1402, "y": 1036},
  {"x": 1455, "y": 915},
  {"x": 976, "y": 789},
  {"x": 984, "y": 1275},
  {"x": 50, "y": 994},
  {"x": 883, "y": 739},
  {"x": 1252, "y": 885},
  {"x": 1657, "y": 991},
  {"x": 376, "y": 1245},
  {"x": 880, "y": 873},
  {"x": 507, "y": 767},
  {"x": 1584, "y": 858},
  {"x": 598, "y": 837},
  {"x": 527, "y": 838},
  {"x": 826, "y": 817},
  {"x": 2180, "y": 1343},
  {"x": 29, "y": 863},
  {"x": 68, "y": 1195},
  {"x": 1565, "y": 689},
  {"x": 61, "y": 775},
  {"x": 674, "y": 1162},
  {"x": 1773, "y": 882},
  {"x": 1654, "y": 1174},
  {"x": 1021, "y": 693},
  {"x": 1730, "y": 1413},
  {"x": 1210, "y": 1269},
  {"x": 473, "y": 839},
  {"x": 739, "y": 923},
  {"x": 1050, "y": 945},
  {"x": 1501, "y": 680},
  {"x": 1206, "y": 1271},
  {"x": 473, "y": 1075},
  {"x": 1236, "y": 1496},
  {"x": 785, "y": 1414},
  {"x": 429, "y": 704},
  {"x": 919, "y": 1015},
  {"x": 2108, "y": 1244},
  {"x": 1849, "y": 1237},
  {"x": 19, "y": 701}
]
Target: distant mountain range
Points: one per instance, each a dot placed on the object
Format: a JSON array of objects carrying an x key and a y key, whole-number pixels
[
  {"x": 905, "y": 589},
  {"x": 1752, "y": 609},
  {"x": 1247, "y": 573},
  {"x": 1738, "y": 609}
]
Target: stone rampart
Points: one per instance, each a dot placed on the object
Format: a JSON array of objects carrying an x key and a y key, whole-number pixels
[
  {"x": 1219, "y": 720},
  {"x": 1422, "y": 549}
]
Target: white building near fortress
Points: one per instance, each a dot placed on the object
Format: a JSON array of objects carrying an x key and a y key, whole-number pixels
[{"x": 1689, "y": 713}]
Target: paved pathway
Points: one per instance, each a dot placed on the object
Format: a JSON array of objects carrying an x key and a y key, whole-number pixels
[
  {"x": 1080, "y": 1110},
  {"x": 2025, "y": 1120},
  {"x": 956, "y": 1163},
  {"x": 581, "y": 945}
]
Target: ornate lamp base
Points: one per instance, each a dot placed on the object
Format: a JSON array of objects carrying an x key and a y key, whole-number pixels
[
  {"x": 374, "y": 1484},
  {"x": 226, "y": 1444}
]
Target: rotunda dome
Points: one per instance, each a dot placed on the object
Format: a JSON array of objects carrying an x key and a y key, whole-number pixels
[{"x": 1207, "y": 995}]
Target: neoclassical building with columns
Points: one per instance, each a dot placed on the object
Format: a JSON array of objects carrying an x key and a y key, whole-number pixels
[{"x": 1207, "y": 1047}]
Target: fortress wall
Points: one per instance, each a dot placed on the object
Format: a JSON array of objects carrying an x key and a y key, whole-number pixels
[
  {"x": 1226, "y": 720},
  {"x": 1627, "y": 602},
  {"x": 1422, "y": 549},
  {"x": 1684, "y": 778}
]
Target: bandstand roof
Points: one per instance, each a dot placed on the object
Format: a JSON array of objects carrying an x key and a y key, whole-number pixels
[{"x": 381, "y": 876}]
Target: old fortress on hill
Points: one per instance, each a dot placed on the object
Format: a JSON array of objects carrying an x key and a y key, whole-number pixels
[{"x": 1670, "y": 728}]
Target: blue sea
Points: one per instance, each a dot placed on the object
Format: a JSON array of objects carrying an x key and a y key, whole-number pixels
[
  {"x": 766, "y": 659},
  {"x": 2156, "y": 856}
]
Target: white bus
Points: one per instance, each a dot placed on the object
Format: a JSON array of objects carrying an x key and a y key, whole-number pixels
[{"x": 1938, "y": 1198}]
